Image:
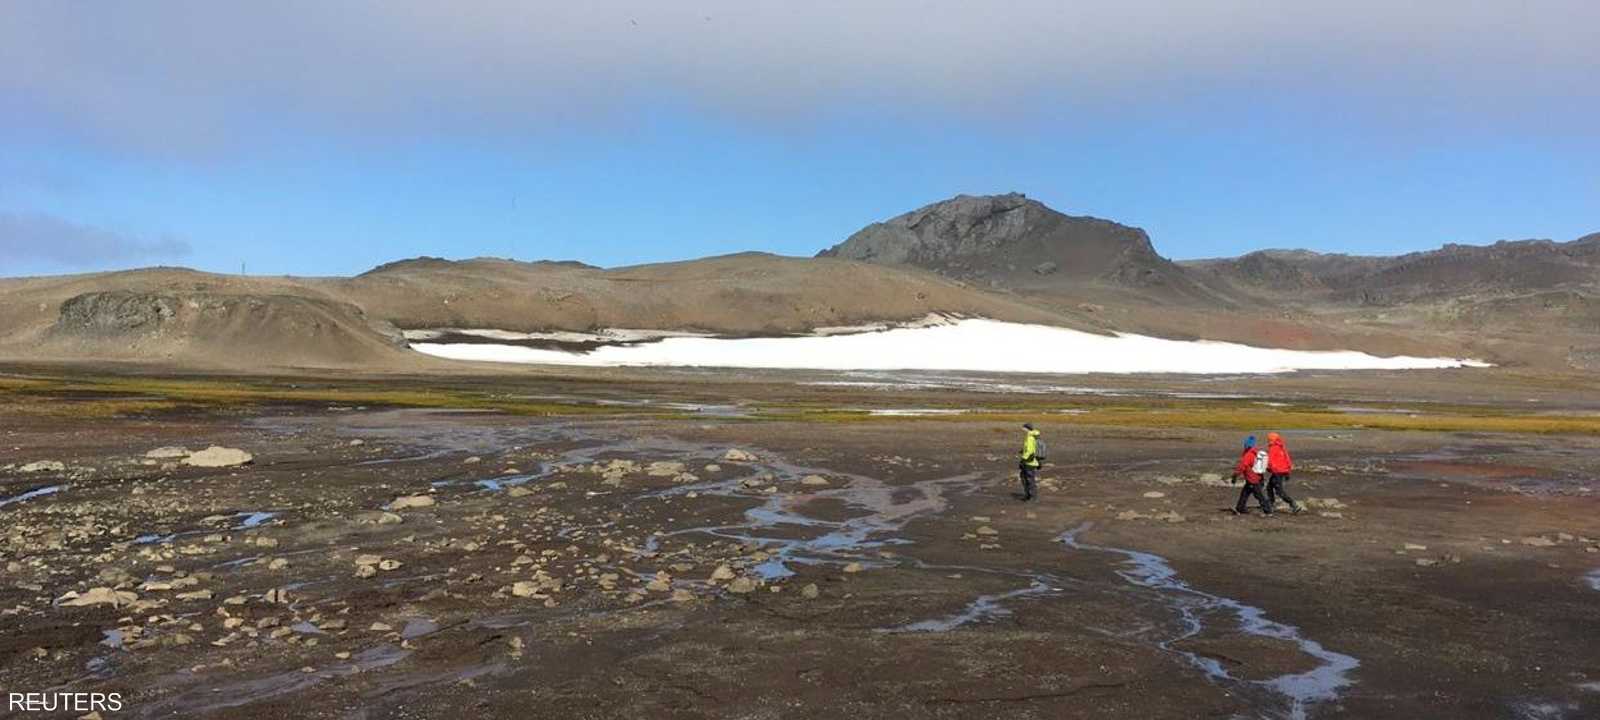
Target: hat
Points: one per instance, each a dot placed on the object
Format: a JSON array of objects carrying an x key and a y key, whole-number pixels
[
  {"x": 1027, "y": 426},
  {"x": 1250, "y": 441}
]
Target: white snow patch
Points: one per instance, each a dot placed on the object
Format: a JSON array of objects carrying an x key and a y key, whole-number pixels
[
  {"x": 606, "y": 335},
  {"x": 972, "y": 344}
]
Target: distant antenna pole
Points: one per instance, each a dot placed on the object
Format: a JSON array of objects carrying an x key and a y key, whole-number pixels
[{"x": 241, "y": 267}]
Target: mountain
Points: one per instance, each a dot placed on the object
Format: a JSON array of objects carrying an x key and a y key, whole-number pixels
[
  {"x": 1452, "y": 272},
  {"x": 187, "y": 318},
  {"x": 1012, "y": 242}
]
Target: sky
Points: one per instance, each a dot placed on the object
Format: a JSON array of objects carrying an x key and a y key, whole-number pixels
[{"x": 324, "y": 137}]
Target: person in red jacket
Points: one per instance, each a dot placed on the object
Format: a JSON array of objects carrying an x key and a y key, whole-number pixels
[
  {"x": 1252, "y": 479},
  {"x": 1279, "y": 465}
]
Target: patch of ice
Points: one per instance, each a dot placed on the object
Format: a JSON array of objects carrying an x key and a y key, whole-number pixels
[{"x": 973, "y": 344}]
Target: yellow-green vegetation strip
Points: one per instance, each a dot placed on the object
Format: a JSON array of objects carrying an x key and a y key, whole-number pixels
[
  {"x": 1211, "y": 416},
  {"x": 78, "y": 397}
]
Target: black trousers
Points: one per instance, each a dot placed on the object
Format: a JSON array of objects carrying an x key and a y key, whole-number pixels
[
  {"x": 1030, "y": 480},
  {"x": 1252, "y": 490},
  {"x": 1275, "y": 489}
]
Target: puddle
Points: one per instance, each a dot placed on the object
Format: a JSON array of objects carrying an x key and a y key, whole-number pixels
[
  {"x": 418, "y": 627},
  {"x": 986, "y": 607},
  {"x": 915, "y": 412},
  {"x": 1195, "y": 608},
  {"x": 247, "y": 520},
  {"x": 34, "y": 493},
  {"x": 1593, "y": 578}
]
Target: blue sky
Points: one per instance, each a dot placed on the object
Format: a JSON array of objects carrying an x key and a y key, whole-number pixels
[{"x": 328, "y": 137}]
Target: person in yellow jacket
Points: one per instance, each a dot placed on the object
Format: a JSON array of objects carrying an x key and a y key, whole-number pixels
[{"x": 1028, "y": 463}]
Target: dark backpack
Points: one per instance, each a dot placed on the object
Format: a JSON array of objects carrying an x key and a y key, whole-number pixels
[{"x": 1039, "y": 452}]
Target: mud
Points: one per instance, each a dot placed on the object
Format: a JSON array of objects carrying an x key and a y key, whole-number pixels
[{"x": 723, "y": 567}]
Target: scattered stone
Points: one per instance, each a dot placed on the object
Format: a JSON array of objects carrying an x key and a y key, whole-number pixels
[
  {"x": 1538, "y": 541},
  {"x": 387, "y": 565},
  {"x": 366, "y": 571},
  {"x": 810, "y": 591},
  {"x": 1414, "y": 546},
  {"x": 661, "y": 583},
  {"x": 1153, "y": 494},
  {"x": 97, "y": 596},
  {"x": 722, "y": 573},
  {"x": 664, "y": 468},
  {"x": 986, "y": 530},
  {"x": 1331, "y": 515},
  {"x": 408, "y": 502},
  {"x": 737, "y": 455},
  {"x": 742, "y": 585},
  {"x": 474, "y": 460},
  {"x": 854, "y": 567},
  {"x": 1426, "y": 562},
  {"x": 43, "y": 466},
  {"x": 814, "y": 481},
  {"x": 218, "y": 456},
  {"x": 524, "y": 588},
  {"x": 168, "y": 452},
  {"x": 277, "y": 564}
]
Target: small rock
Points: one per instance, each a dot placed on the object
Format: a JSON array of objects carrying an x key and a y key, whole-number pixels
[
  {"x": 742, "y": 585},
  {"x": 1414, "y": 546},
  {"x": 986, "y": 530},
  {"x": 168, "y": 452},
  {"x": 43, "y": 466},
  {"x": 98, "y": 596},
  {"x": 737, "y": 455},
  {"x": 814, "y": 481},
  {"x": 1426, "y": 562},
  {"x": 218, "y": 456},
  {"x": 1153, "y": 494},
  {"x": 1539, "y": 541},
  {"x": 854, "y": 567},
  {"x": 810, "y": 591},
  {"x": 722, "y": 573},
  {"x": 408, "y": 502}
]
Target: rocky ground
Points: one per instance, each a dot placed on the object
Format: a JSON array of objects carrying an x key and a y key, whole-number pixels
[{"x": 336, "y": 561}]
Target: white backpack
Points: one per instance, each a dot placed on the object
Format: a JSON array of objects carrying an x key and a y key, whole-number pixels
[{"x": 1260, "y": 465}]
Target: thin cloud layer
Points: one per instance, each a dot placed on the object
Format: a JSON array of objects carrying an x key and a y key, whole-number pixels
[
  {"x": 180, "y": 75},
  {"x": 47, "y": 240}
]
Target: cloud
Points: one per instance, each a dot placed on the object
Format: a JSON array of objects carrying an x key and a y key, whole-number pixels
[
  {"x": 47, "y": 240},
  {"x": 176, "y": 74}
]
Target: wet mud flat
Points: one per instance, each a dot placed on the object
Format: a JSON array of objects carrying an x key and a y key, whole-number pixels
[{"x": 374, "y": 563}]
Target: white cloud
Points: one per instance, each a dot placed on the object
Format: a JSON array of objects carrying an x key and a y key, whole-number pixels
[
  {"x": 36, "y": 239},
  {"x": 176, "y": 75}
]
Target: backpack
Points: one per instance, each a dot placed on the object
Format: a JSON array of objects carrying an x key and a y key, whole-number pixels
[
  {"x": 1259, "y": 467},
  {"x": 1039, "y": 452}
]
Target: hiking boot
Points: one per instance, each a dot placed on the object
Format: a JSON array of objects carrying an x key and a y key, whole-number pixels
[{"x": 1297, "y": 509}]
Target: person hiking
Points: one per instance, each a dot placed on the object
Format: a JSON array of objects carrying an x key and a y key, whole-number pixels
[
  {"x": 1279, "y": 465},
  {"x": 1029, "y": 461},
  {"x": 1251, "y": 467}
]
